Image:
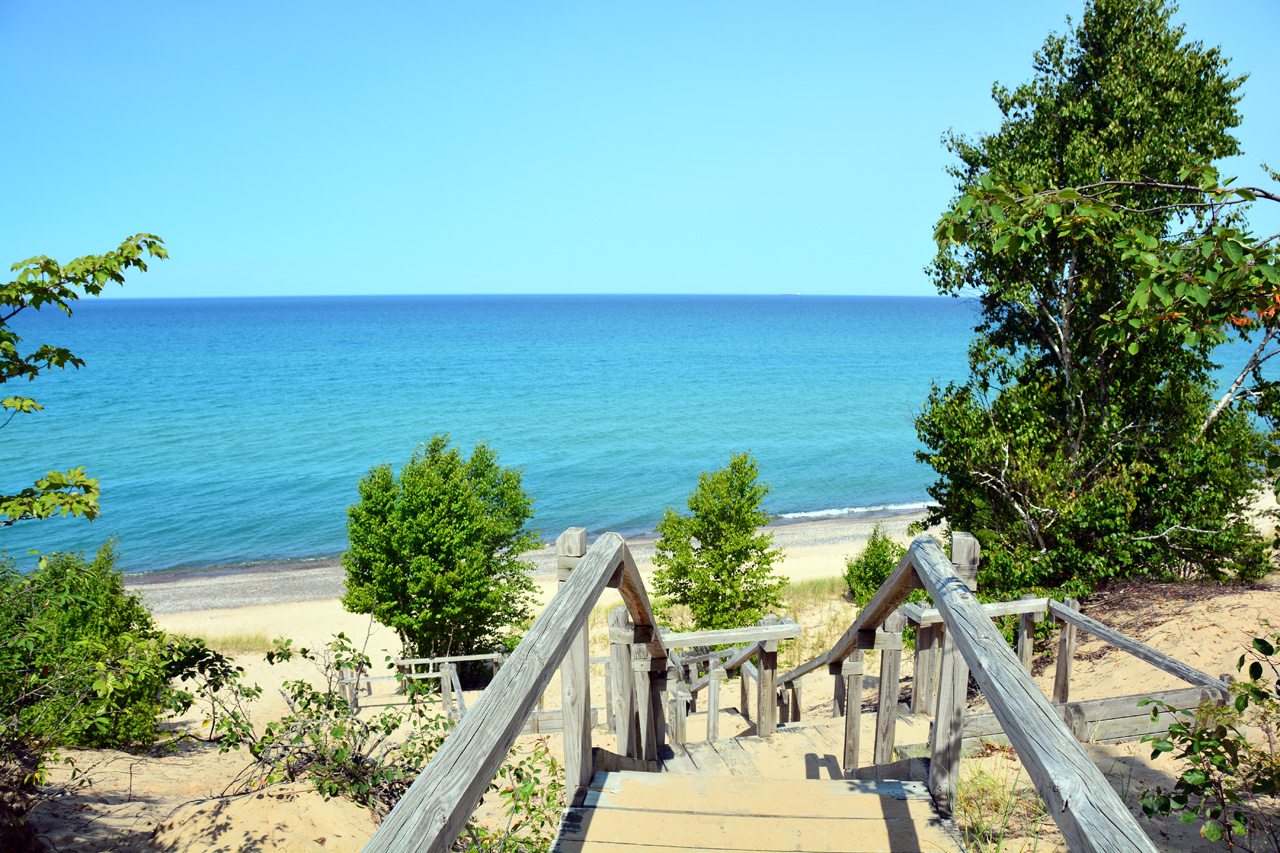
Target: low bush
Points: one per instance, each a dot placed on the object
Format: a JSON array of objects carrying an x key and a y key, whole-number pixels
[
  {"x": 81, "y": 661},
  {"x": 1231, "y": 783},
  {"x": 866, "y": 572}
]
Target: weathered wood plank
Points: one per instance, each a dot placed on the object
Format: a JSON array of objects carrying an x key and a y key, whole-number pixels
[
  {"x": 605, "y": 761},
  {"x": 739, "y": 763},
  {"x": 1096, "y": 711},
  {"x": 675, "y": 760},
  {"x": 1140, "y": 650},
  {"x": 734, "y": 661},
  {"x": 755, "y": 796},
  {"x": 718, "y": 677},
  {"x": 1088, "y": 812},
  {"x": 948, "y": 727},
  {"x": 631, "y": 588},
  {"x": 706, "y": 759},
  {"x": 436, "y": 807},
  {"x": 733, "y": 636},
  {"x": 923, "y": 616},
  {"x": 924, "y": 676},
  {"x": 1026, "y": 636},
  {"x": 874, "y": 832},
  {"x": 1066, "y": 655},
  {"x": 575, "y": 699},
  {"x": 907, "y": 769},
  {"x": 766, "y": 684},
  {"x": 887, "y": 711},
  {"x": 851, "y": 671}
]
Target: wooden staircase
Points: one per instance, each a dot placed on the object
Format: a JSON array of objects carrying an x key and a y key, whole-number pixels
[{"x": 785, "y": 792}]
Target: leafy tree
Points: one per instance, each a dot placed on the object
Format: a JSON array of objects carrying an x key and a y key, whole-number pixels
[
  {"x": 435, "y": 552},
  {"x": 42, "y": 281},
  {"x": 1079, "y": 449},
  {"x": 868, "y": 571},
  {"x": 713, "y": 560}
]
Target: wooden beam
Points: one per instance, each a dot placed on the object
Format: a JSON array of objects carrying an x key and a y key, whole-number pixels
[
  {"x": 851, "y": 671},
  {"x": 718, "y": 677},
  {"x": 436, "y": 807},
  {"x": 1066, "y": 655},
  {"x": 922, "y": 616},
  {"x": 1089, "y": 813},
  {"x": 767, "y": 687},
  {"x": 1142, "y": 651},
  {"x": 624, "y": 691},
  {"x": 890, "y": 673},
  {"x": 1026, "y": 637},
  {"x": 783, "y": 630},
  {"x": 924, "y": 677}
]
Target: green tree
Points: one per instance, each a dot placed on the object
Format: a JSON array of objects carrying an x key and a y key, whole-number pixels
[
  {"x": 1073, "y": 452},
  {"x": 714, "y": 560},
  {"x": 40, "y": 282},
  {"x": 435, "y": 552}
]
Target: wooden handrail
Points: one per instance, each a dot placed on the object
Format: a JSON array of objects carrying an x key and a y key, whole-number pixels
[
  {"x": 1076, "y": 794},
  {"x": 436, "y": 807},
  {"x": 921, "y": 616},
  {"x": 783, "y": 630},
  {"x": 1138, "y": 649}
]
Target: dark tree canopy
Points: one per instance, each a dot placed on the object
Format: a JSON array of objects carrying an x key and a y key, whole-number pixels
[{"x": 1074, "y": 455}]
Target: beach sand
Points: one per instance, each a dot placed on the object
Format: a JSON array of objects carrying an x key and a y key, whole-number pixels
[{"x": 167, "y": 802}]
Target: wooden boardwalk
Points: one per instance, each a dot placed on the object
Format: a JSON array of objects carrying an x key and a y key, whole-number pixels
[{"x": 785, "y": 792}]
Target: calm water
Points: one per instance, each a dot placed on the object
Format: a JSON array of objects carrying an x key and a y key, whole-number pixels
[{"x": 234, "y": 430}]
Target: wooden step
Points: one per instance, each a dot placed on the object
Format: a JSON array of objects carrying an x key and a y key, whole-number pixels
[{"x": 631, "y": 812}]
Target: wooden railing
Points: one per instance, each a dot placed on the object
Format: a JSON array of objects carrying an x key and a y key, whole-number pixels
[
  {"x": 436, "y": 807},
  {"x": 1076, "y": 794}
]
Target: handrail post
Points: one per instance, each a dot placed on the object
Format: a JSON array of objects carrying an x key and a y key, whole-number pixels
[
  {"x": 1026, "y": 636},
  {"x": 890, "y": 673},
  {"x": 767, "y": 694},
  {"x": 642, "y": 664},
  {"x": 575, "y": 678},
  {"x": 953, "y": 685},
  {"x": 624, "y": 691},
  {"x": 717, "y": 676},
  {"x": 851, "y": 671},
  {"x": 1066, "y": 656},
  {"x": 924, "y": 676},
  {"x": 744, "y": 700}
]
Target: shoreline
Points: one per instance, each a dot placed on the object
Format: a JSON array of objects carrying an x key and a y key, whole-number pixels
[{"x": 826, "y": 538}]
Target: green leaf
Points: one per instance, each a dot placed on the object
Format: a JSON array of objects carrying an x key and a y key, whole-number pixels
[
  {"x": 1260, "y": 643},
  {"x": 1233, "y": 250},
  {"x": 1211, "y": 831}
]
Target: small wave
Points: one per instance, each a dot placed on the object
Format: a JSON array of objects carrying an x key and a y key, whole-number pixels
[{"x": 854, "y": 510}]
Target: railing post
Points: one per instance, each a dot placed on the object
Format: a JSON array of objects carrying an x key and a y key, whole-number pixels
[
  {"x": 446, "y": 688},
  {"x": 767, "y": 695},
  {"x": 745, "y": 700},
  {"x": 646, "y": 725},
  {"x": 851, "y": 671},
  {"x": 924, "y": 678},
  {"x": 794, "y": 716},
  {"x": 953, "y": 684},
  {"x": 890, "y": 674},
  {"x": 624, "y": 691},
  {"x": 838, "y": 698},
  {"x": 575, "y": 678},
  {"x": 1026, "y": 636},
  {"x": 676, "y": 707},
  {"x": 1066, "y": 657},
  {"x": 717, "y": 676}
]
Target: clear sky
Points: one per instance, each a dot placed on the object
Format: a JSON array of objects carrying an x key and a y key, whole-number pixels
[{"x": 539, "y": 147}]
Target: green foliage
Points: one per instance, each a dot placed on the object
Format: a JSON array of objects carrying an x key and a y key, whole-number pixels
[
  {"x": 1231, "y": 782},
  {"x": 369, "y": 760},
  {"x": 713, "y": 560},
  {"x": 434, "y": 552},
  {"x": 866, "y": 572},
  {"x": 1083, "y": 448},
  {"x": 81, "y": 662},
  {"x": 40, "y": 282}
]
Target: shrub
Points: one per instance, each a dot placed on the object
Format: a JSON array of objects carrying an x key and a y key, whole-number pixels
[
  {"x": 866, "y": 572},
  {"x": 1231, "y": 783},
  {"x": 435, "y": 552},
  {"x": 713, "y": 560},
  {"x": 81, "y": 662}
]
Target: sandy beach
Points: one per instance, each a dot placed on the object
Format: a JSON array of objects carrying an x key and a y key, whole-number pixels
[{"x": 172, "y": 801}]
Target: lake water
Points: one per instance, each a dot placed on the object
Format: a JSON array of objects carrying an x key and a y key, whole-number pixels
[{"x": 233, "y": 431}]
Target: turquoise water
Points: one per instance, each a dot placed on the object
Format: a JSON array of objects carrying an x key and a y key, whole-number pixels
[{"x": 229, "y": 431}]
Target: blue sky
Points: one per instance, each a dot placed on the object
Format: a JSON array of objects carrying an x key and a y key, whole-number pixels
[{"x": 482, "y": 147}]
